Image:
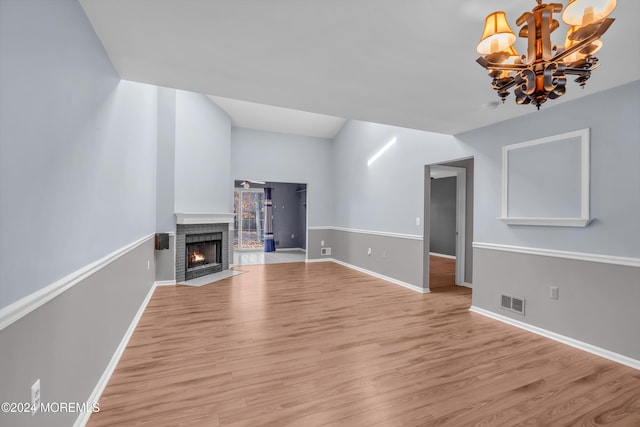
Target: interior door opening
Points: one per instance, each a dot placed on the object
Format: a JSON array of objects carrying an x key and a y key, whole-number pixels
[{"x": 448, "y": 224}]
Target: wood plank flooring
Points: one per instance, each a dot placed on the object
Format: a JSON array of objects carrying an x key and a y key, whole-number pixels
[
  {"x": 442, "y": 272},
  {"x": 320, "y": 344}
]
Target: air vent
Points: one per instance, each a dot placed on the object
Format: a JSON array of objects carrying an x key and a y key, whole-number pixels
[
  {"x": 505, "y": 302},
  {"x": 512, "y": 304}
]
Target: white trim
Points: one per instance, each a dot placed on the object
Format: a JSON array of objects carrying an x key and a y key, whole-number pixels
[
  {"x": 371, "y": 232},
  {"x": 598, "y": 351},
  {"x": 383, "y": 277},
  {"x": 580, "y": 256},
  {"x": 549, "y": 222},
  {"x": 186, "y": 218},
  {"x": 26, "y": 305},
  {"x": 442, "y": 255},
  {"x": 467, "y": 285},
  {"x": 319, "y": 260},
  {"x": 320, "y": 227},
  {"x": 164, "y": 283},
  {"x": 82, "y": 419},
  {"x": 290, "y": 249},
  {"x": 584, "y": 220}
]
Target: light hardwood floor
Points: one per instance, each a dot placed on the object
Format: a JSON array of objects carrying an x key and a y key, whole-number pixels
[
  {"x": 320, "y": 344},
  {"x": 442, "y": 272}
]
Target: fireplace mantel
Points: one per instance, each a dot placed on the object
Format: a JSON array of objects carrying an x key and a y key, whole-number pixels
[{"x": 186, "y": 218}]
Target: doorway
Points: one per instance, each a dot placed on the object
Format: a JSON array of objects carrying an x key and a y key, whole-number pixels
[
  {"x": 288, "y": 222},
  {"x": 248, "y": 204},
  {"x": 448, "y": 258}
]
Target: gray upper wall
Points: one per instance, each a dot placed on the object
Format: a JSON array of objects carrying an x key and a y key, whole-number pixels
[
  {"x": 77, "y": 148},
  {"x": 612, "y": 117},
  {"x": 277, "y": 157}
]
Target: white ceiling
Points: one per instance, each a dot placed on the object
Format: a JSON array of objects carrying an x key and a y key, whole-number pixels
[
  {"x": 251, "y": 115},
  {"x": 408, "y": 63}
]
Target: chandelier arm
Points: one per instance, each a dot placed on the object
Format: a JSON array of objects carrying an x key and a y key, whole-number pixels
[
  {"x": 507, "y": 67},
  {"x": 602, "y": 28},
  {"x": 501, "y": 67},
  {"x": 579, "y": 71},
  {"x": 505, "y": 86}
]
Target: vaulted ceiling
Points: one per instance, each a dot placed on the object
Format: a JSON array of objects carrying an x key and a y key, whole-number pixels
[{"x": 407, "y": 63}]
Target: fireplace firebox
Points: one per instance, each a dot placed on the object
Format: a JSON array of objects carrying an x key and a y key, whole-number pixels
[{"x": 203, "y": 254}]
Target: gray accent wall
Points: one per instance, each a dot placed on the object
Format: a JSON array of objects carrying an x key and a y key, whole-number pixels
[
  {"x": 165, "y": 262},
  {"x": 77, "y": 182},
  {"x": 315, "y": 237},
  {"x": 595, "y": 304},
  {"x": 287, "y": 221},
  {"x": 598, "y": 302},
  {"x": 68, "y": 342},
  {"x": 442, "y": 220},
  {"x": 395, "y": 257}
]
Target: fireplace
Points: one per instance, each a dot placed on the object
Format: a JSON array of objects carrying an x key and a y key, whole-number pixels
[
  {"x": 203, "y": 254},
  {"x": 202, "y": 244}
]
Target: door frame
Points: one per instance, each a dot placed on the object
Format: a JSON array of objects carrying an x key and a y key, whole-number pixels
[{"x": 461, "y": 213}]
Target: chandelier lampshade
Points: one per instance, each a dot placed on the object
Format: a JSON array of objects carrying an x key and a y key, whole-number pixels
[
  {"x": 542, "y": 73},
  {"x": 585, "y": 12},
  {"x": 497, "y": 35}
]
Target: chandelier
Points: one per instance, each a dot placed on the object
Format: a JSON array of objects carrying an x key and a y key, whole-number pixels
[{"x": 541, "y": 74}]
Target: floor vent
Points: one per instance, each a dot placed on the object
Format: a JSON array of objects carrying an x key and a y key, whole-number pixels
[{"x": 512, "y": 303}]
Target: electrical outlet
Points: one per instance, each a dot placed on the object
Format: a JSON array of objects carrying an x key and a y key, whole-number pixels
[
  {"x": 293, "y": 236},
  {"x": 325, "y": 251},
  {"x": 321, "y": 242},
  {"x": 369, "y": 251},
  {"x": 417, "y": 220},
  {"x": 148, "y": 265},
  {"x": 554, "y": 292},
  {"x": 35, "y": 397}
]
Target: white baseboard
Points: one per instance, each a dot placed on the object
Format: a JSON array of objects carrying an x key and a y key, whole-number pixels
[
  {"x": 383, "y": 277},
  {"x": 320, "y": 260},
  {"x": 466, "y": 285},
  {"x": 164, "y": 283},
  {"x": 82, "y": 419},
  {"x": 442, "y": 255},
  {"x": 598, "y": 351}
]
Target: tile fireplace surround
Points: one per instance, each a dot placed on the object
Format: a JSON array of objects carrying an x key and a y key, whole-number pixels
[{"x": 200, "y": 223}]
